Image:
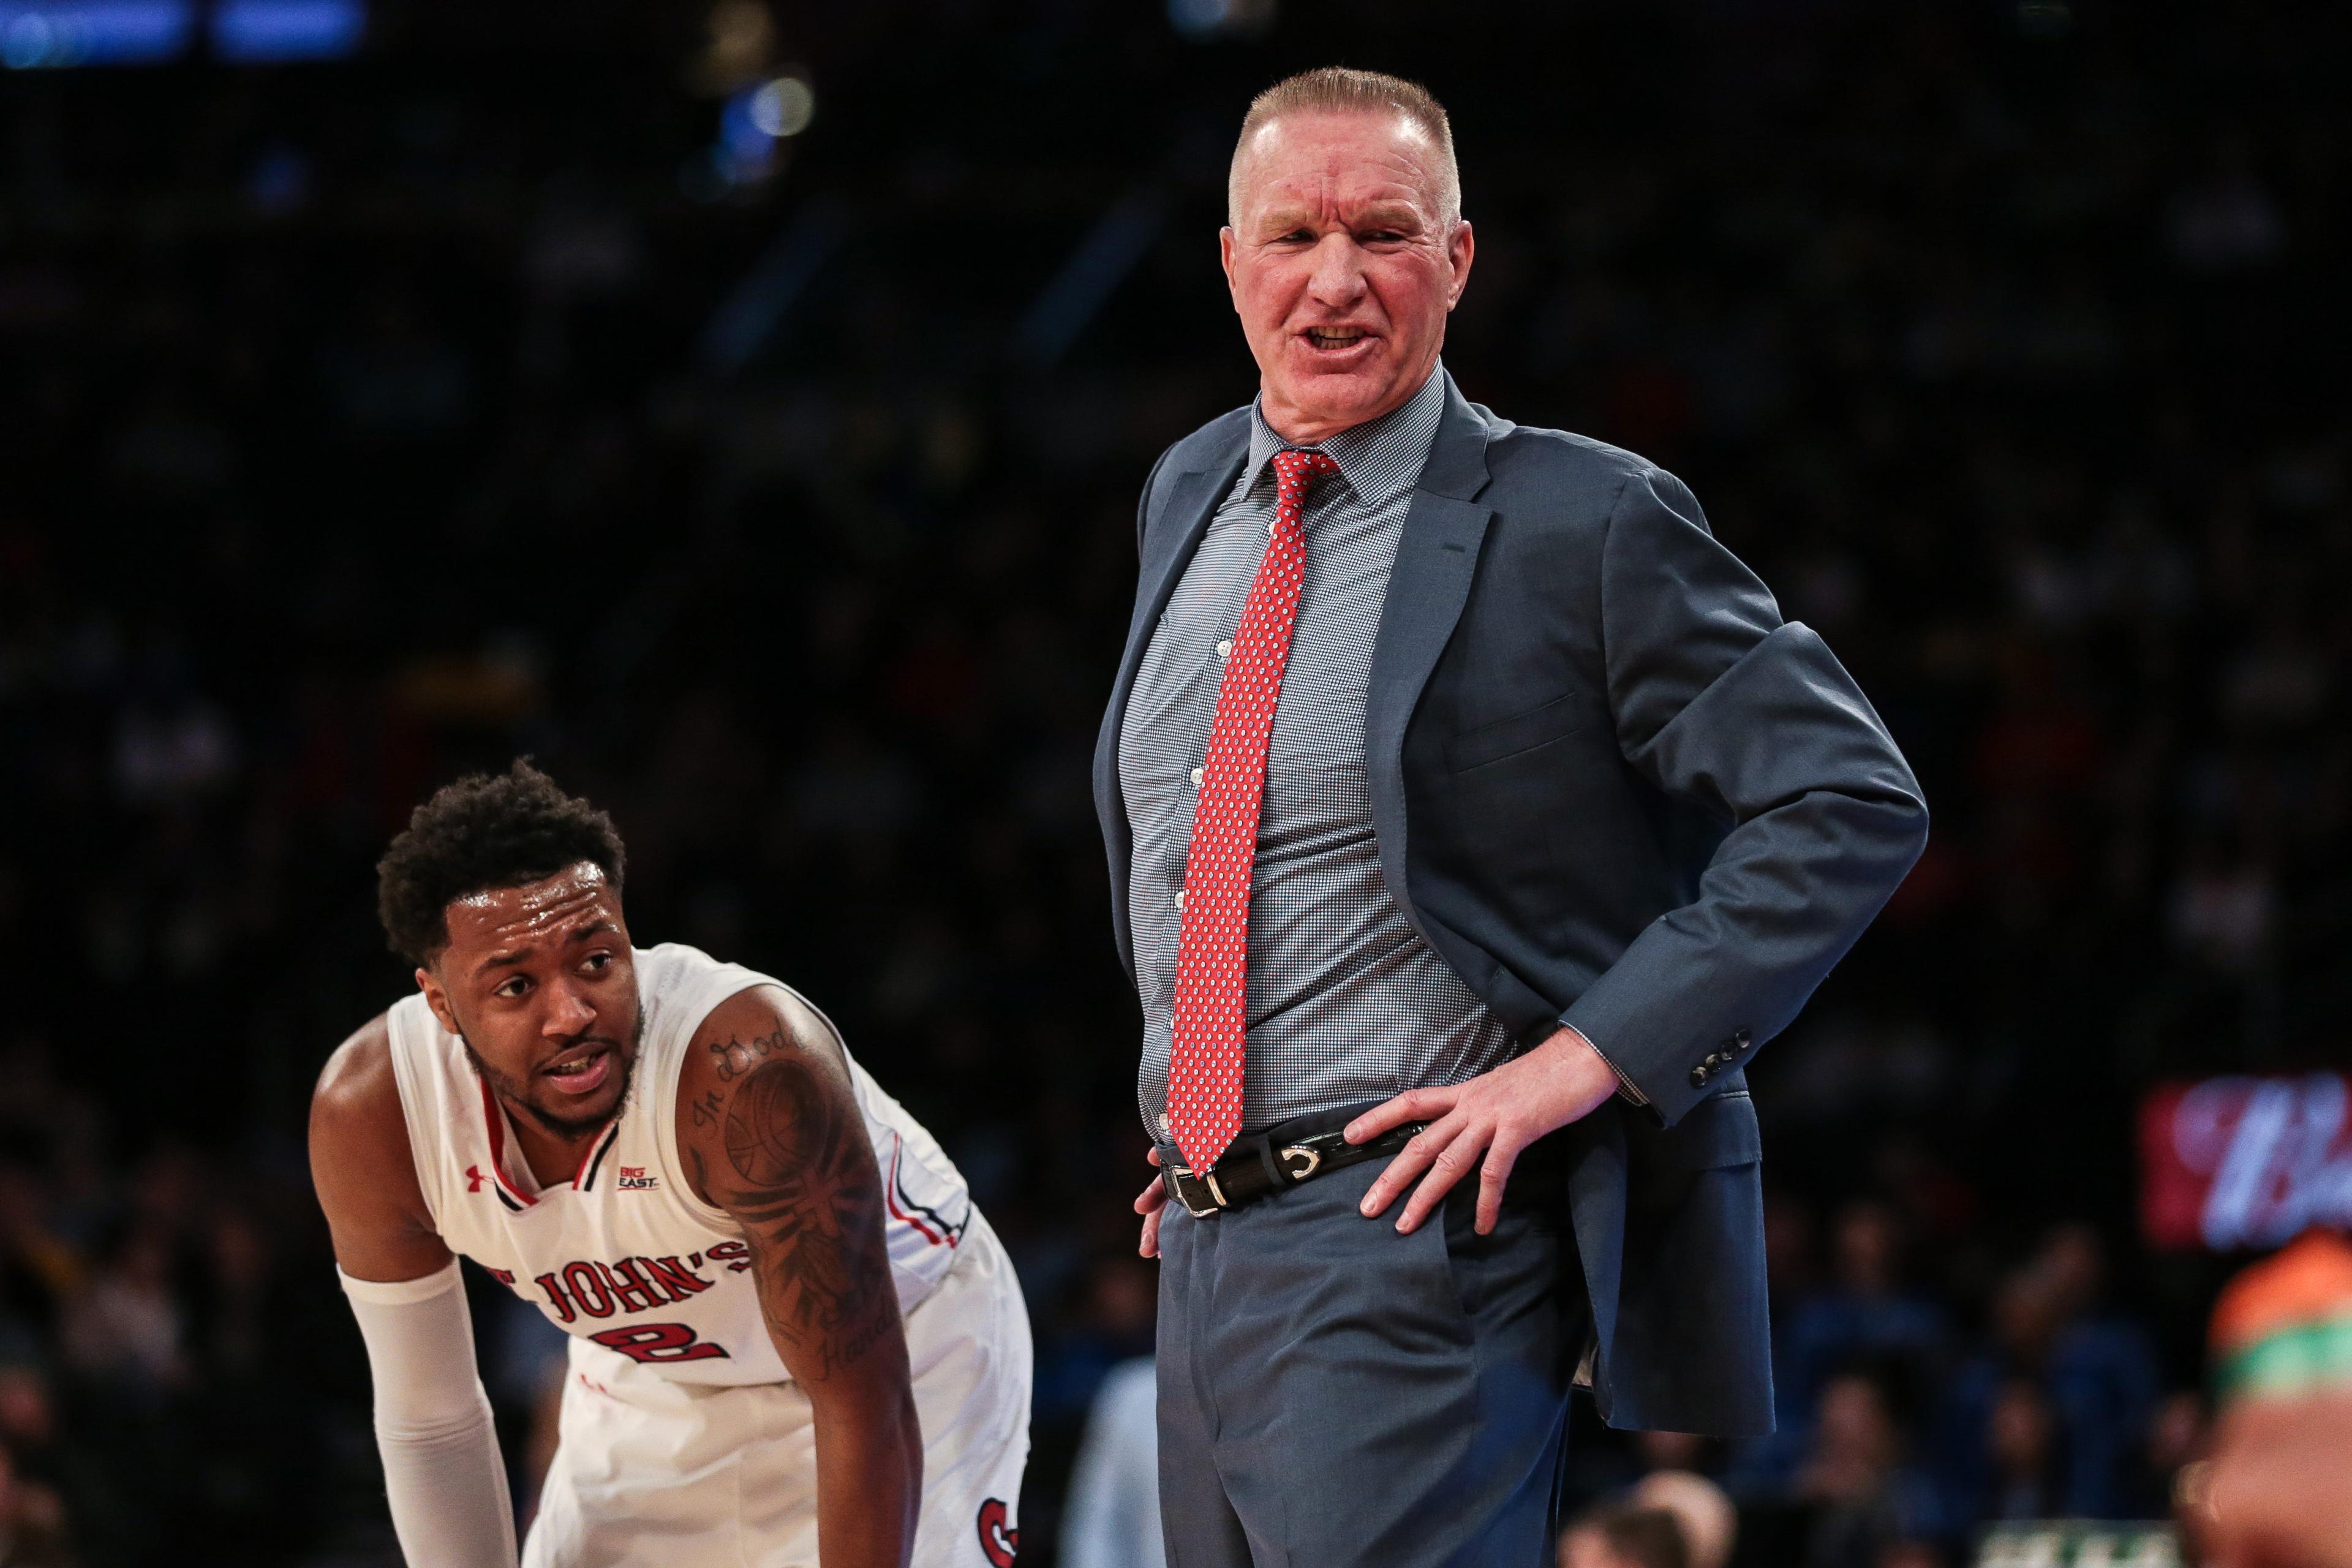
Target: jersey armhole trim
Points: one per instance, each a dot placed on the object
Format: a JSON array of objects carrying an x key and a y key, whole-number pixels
[{"x": 416, "y": 1111}]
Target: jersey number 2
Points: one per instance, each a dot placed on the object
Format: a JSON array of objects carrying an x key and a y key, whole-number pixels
[{"x": 658, "y": 1342}]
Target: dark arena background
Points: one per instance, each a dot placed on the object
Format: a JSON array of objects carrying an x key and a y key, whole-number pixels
[{"x": 741, "y": 408}]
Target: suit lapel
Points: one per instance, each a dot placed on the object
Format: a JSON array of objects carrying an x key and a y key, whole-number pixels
[
  {"x": 1171, "y": 544},
  {"x": 1436, "y": 560},
  {"x": 1171, "y": 540}
]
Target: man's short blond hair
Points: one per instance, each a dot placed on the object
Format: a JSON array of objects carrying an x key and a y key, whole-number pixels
[{"x": 1337, "y": 90}]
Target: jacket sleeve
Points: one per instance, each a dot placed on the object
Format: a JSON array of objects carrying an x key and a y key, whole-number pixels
[{"x": 1719, "y": 701}]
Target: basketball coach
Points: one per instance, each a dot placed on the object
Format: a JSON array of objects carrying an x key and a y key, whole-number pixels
[{"x": 1474, "y": 817}]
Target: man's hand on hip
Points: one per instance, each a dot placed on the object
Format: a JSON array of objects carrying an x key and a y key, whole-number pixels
[
  {"x": 1483, "y": 1122},
  {"x": 1151, "y": 1202}
]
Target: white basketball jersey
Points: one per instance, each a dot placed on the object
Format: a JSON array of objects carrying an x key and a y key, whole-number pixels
[{"x": 625, "y": 1254}]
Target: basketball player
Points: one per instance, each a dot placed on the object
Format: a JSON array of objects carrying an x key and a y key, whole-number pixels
[{"x": 791, "y": 1333}]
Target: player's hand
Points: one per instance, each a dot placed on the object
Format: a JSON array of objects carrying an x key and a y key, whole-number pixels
[
  {"x": 1485, "y": 1123},
  {"x": 1149, "y": 1203}
]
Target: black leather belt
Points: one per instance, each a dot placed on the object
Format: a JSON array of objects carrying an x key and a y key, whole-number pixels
[{"x": 1259, "y": 1167}]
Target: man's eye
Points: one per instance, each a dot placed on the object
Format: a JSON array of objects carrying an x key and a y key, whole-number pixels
[
  {"x": 1382, "y": 237},
  {"x": 597, "y": 961},
  {"x": 514, "y": 988}
]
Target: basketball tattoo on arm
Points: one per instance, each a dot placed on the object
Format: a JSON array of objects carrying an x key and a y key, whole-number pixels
[{"x": 802, "y": 1183}]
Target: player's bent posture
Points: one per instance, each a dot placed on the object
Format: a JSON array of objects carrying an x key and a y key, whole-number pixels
[{"x": 793, "y": 1334}]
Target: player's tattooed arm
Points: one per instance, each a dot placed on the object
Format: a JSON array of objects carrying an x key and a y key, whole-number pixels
[
  {"x": 801, "y": 1179},
  {"x": 776, "y": 1138},
  {"x": 769, "y": 1129}
]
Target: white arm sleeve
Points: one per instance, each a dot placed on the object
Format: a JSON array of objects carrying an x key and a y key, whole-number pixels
[{"x": 442, "y": 1471}]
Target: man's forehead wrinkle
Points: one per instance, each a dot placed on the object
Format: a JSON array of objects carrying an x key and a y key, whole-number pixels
[
  {"x": 545, "y": 912},
  {"x": 1356, "y": 186},
  {"x": 565, "y": 888},
  {"x": 1304, "y": 200},
  {"x": 516, "y": 941},
  {"x": 512, "y": 921},
  {"x": 569, "y": 883},
  {"x": 520, "y": 937},
  {"x": 1351, "y": 185}
]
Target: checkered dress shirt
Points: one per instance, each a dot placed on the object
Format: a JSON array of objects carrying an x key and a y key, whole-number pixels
[{"x": 1347, "y": 1003}]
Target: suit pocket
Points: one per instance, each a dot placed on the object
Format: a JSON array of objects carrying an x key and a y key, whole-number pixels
[
  {"x": 1719, "y": 1131},
  {"x": 1509, "y": 737}
]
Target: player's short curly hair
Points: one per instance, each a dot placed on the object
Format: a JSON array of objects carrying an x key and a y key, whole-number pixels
[{"x": 487, "y": 830}]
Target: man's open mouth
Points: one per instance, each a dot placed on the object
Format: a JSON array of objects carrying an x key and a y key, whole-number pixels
[
  {"x": 583, "y": 1073},
  {"x": 1333, "y": 339}
]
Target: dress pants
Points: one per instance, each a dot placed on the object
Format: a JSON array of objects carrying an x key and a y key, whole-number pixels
[{"x": 1332, "y": 1394}]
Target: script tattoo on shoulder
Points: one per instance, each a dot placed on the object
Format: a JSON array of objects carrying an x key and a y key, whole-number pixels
[
  {"x": 738, "y": 1056},
  {"x": 804, "y": 1185}
]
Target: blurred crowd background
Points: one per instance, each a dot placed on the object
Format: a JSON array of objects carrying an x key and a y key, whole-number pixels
[{"x": 741, "y": 408}]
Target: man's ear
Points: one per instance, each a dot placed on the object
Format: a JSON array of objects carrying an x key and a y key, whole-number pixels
[
  {"x": 1460, "y": 247},
  {"x": 438, "y": 999},
  {"x": 1226, "y": 240}
]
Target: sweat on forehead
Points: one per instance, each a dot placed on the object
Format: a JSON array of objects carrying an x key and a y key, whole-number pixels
[{"x": 512, "y": 913}]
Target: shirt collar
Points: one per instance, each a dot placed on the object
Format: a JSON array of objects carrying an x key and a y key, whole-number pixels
[{"x": 1377, "y": 458}]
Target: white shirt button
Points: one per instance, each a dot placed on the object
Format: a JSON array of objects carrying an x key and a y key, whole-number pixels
[
  {"x": 1180, "y": 898},
  {"x": 1224, "y": 648},
  {"x": 1198, "y": 774}
]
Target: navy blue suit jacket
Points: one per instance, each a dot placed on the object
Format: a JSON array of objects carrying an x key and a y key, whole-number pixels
[{"x": 1613, "y": 789}]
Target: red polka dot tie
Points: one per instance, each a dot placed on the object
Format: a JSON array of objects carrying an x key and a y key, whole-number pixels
[{"x": 1204, "y": 1063}]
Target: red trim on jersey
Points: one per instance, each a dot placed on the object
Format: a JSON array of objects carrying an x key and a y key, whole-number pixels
[
  {"x": 497, "y": 1125},
  {"x": 890, "y": 1194},
  {"x": 596, "y": 1152}
]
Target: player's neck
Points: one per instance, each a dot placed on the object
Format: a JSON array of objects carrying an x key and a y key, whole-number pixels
[{"x": 552, "y": 1157}]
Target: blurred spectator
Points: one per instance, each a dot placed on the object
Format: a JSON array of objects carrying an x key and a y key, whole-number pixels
[
  {"x": 37, "y": 1268},
  {"x": 2101, "y": 1375},
  {"x": 2053, "y": 1419},
  {"x": 1865, "y": 1496},
  {"x": 1672, "y": 1451},
  {"x": 1710, "y": 1524},
  {"x": 32, "y": 1522},
  {"x": 28, "y": 1421},
  {"x": 1620, "y": 1537},
  {"x": 1865, "y": 1311},
  {"x": 2020, "y": 1439},
  {"x": 126, "y": 1329},
  {"x": 1112, "y": 1324},
  {"x": 41, "y": 1453},
  {"x": 2177, "y": 1438},
  {"x": 1112, "y": 1517},
  {"x": 1912, "y": 1553}
]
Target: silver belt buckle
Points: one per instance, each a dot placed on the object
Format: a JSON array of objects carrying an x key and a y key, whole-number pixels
[{"x": 1180, "y": 1174}]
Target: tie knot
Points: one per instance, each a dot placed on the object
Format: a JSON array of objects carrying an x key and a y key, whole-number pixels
[{"x": 1295, "y": 471}]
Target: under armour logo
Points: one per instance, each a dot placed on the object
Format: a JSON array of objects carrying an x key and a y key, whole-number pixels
[{"x": 474, "y": 1178}]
